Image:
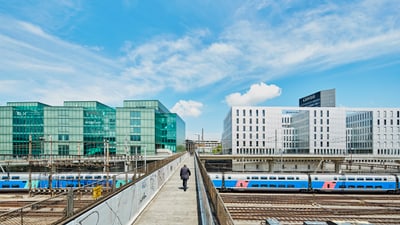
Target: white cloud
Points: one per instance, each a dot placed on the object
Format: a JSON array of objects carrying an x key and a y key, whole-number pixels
[
  {"x": 258, "y": 93},
  {"x": 188, "y": 108}
]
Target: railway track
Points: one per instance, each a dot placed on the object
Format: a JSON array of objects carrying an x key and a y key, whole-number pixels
[
  {"x": 294, "y": 208},
  {"x": 35, "y": 211}
]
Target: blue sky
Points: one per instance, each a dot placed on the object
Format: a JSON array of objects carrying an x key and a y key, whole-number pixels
[{"x": 200, "y": 57}]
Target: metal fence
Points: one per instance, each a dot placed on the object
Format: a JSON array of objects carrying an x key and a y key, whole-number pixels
[
  {"x": 61, "y": 206},
  {"x": 221, "y": 213}
]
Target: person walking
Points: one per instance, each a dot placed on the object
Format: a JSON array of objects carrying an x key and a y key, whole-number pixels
[{"x": 185, "y": 173}]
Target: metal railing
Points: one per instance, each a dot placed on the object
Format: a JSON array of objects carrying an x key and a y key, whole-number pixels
[
  {"x": 220, "y": 212},
  {"x": 61, "y": 206}
]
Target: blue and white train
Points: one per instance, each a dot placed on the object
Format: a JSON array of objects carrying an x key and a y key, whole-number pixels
[
  {"x": 20, "y": 181},
  {"x": 306, "y": 182}
]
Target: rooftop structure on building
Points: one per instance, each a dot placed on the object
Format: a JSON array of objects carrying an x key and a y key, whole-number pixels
[
  {"x": 86, "y": 127},
  {"x": 325, "y": 98}
]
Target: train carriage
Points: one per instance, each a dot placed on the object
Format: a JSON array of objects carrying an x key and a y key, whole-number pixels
[
  {"x": 261, "y": 182},
  {"x": 353, "y": 183}
]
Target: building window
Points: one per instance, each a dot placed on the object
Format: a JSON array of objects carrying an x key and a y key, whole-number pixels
[
  {"x": 135, "y": 150},
  {"x": 63, "y": 149},
  {"x": 237, "y": 112},
  {"x": 244, "y": 112},
  {"x": 135, "y": 122},
  {"x": 135, "y": 114},
  {"x": 135, "y": 137},
  {"x": 63, "y": 137}
]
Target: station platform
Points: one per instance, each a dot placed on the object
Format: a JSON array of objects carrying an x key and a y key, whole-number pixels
[{"x": 173, "y": 205}]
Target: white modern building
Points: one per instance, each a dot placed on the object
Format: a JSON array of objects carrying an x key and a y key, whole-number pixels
[{"x": 365, "y": 132}]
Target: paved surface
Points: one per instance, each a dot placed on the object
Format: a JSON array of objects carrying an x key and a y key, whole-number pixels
[{"x": 173, "y": 205}]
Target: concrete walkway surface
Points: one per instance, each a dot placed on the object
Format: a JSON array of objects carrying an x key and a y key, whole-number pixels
[{"x": 172, "y": 205}]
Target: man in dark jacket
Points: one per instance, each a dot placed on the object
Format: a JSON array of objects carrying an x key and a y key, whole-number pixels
[{"x": 185, "y": 173}]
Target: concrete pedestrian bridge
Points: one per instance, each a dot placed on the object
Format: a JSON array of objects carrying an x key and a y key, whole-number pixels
[{"x": 155, "y": 198}]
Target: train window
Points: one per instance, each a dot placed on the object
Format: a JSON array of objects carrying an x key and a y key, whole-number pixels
[
  {"x": 378, "y": 179},
  {"x": 351, "y": 178},
  {"x": 378, "y": 187},
  {"x": 272, "y": 185},
  {"x": 297, "y": 178},
  {"x": 360, "y": 178},
  {"x": 216, "y": 176},
  {"x": 5, "y": 186},
  {"x": 263, "y": 185},
  {"x": 248, "y": 178},
  {"x": 281, "y": 185},
  {"x": 272, "y": 178},
  {"x": 5, "y": 177},
  {"x": 79, "y": 177},
  {"x": 254, "y": 178},
  {"x": 97, "y": 177},
  {"x": 15, "y": 186},
  {"x": 264, "y": 178},
  {"x": 70, "y": 185},
  {"x": 88, "y": 177},
  {"x": 342, "y": 186},
  {"x": 385, "y": 179},
  {"x": 255, "y": 185},
  {"x": 315, "y": 178},
  {"x": 104, "y": 177},
  {"x": 62, "y": 177},
  {"x": 342, "y": 178},
  {"x": 290, "y": 186},
  {"x": 281, "y": 178},
  {"x": 352, "y": 186},
  {"x": 15, "y": 177},
  {"x": 369, "y": 186},
  {"x": 70, "y": 177},
  {"x": 290, "y": 178},
  {"x": 360, "y": 186},
  {"x": 368, "y": 178},
  {"x": 229, "y": 177},
  {"x": 335, "y": 178}
]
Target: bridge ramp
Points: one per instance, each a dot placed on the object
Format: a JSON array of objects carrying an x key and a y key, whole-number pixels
[{"x": 173, "y": 205}]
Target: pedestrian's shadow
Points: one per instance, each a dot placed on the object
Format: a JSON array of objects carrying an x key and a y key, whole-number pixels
[{"x": 183, "y": 188}]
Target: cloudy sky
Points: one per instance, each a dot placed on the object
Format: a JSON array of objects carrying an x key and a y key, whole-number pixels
[{"x": 200, "y": 57}]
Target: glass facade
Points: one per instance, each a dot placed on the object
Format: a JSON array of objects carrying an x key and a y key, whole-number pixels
[
  {"x": 145, "y": 126},
  {"x": 27, "y": 120},
  {"x": 87, "y": 127}
]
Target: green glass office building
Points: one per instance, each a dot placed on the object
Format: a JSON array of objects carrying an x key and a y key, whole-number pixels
[{"x": 89, "y": 128}]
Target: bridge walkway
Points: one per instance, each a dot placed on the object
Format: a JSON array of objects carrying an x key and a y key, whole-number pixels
[{"x": 173, "y": 205}]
